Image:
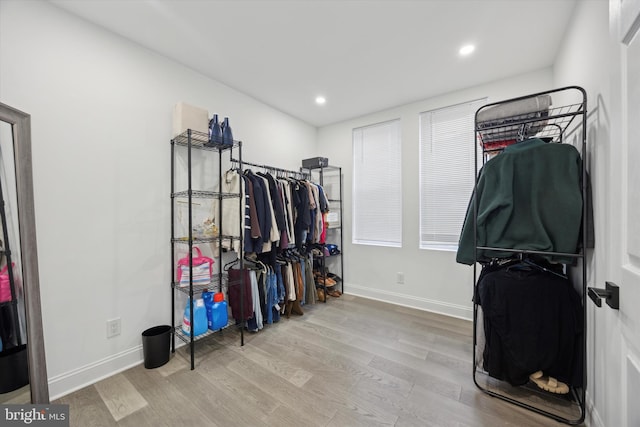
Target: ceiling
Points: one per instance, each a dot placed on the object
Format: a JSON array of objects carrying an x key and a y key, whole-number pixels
[{"x": 362, "y": 55}]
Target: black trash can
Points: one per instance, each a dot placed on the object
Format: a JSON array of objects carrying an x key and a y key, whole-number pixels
[{"x": 155, "y": 346}]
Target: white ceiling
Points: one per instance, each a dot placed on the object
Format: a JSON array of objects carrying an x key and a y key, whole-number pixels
[{"x": 363, "y": 56}]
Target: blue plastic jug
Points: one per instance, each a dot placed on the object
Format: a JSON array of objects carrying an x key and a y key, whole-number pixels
[
  {"x": 220, "y": 315},
  {"x": 217, "y": 314},
  {"x": 200, "y": 318}
]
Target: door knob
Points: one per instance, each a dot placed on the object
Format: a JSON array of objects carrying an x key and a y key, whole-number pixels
[{"x": 611, "y": 295}]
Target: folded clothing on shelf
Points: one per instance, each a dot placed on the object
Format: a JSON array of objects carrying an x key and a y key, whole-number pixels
[
  {"x": 333, "y": 249},
  {"x": 508, "y": 116}
]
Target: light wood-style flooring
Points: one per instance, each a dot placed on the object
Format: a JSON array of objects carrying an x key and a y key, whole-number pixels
[{"x": 351, "y": 362}]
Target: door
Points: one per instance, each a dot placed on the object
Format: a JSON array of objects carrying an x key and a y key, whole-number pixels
[{"x": 622, "y": 369}]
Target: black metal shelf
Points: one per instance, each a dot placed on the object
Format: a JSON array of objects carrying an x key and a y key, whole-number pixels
[
  {"x": 200, "y": 141},
  {"x": 196, "y": 289},
  {"x": 329, "y": 256},
  {"x": 548, "y": 125},
  {"x": 331, "y": 173},
  {"x": 493, "y": 136},
  {"x": 196, "y": 142}
]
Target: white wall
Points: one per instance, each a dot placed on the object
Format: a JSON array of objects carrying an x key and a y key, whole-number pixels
[
  {"x": 101, "y": 123},
  {"x": 433, "y": 280}
]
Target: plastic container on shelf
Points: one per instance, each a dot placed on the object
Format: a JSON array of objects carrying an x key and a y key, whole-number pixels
[
  {"x": 217, "y": 313},
  {"x": 200, "y": 318},
  {"x": 220, "y": 314}
]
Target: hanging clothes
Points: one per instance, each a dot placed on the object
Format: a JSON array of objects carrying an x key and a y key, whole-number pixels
[
  {"x": 529, "y": 197},
  {"x": 276, "y": 201},
  {"x": 253, "y": 233},
  {"x": 289, "y": 282},
  {"x": 289, "y": 209},
  {"x": 255, "y": 323},
  {"x": 532, "y": 322},
  {"x": 303, "y": 214},
  {"x": 263, "y": 210},
  {"x": 241, "y": 308},
  {"x": 228, "y": 224},
  {"x": 310, "y": 295},
  {"x": 273, "y": 312}
]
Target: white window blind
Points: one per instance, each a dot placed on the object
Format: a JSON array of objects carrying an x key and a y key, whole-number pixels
[
  {"x": 447, "y": 172},
  {"x": 377, "y": 185}
]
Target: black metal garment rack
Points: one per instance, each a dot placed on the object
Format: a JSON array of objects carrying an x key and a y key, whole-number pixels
[
  {"x": 287, "y": 172},
  {"x": 552, "y": 125}
]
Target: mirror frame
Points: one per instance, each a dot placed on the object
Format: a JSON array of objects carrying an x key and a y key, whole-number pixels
[{"x": 21, "y": 126}]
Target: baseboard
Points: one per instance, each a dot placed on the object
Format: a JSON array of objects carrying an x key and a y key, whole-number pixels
[
  {"x": 76, "y": 379},
  {"x": 66, "y": 383},
  {"x": 592, "y": 418},
  {"x": 441, "y": 307}
]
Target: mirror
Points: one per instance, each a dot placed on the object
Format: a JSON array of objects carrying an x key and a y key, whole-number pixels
[{"x": 23, "y": 375}]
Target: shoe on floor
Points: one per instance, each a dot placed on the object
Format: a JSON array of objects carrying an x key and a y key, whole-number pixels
[{"x": 549, "y": 384}]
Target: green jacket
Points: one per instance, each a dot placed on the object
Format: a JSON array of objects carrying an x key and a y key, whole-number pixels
[{"x": 529, "y": 197}]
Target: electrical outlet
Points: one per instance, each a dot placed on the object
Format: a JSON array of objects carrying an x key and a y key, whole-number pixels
[
  {"x": 113, "y": 327},
  {"x": 400, "y": 278}
]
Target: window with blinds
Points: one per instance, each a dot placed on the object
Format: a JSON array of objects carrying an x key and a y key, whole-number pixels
[
  {"x": 377, "y": 185},
  {"x": 447, "y": 172}
]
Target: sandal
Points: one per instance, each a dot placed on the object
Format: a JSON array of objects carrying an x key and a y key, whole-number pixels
[
  {"x": 334, "y": 277},
  {"x": 549, "y": 384},
  {"x": 328, "y": 282}
]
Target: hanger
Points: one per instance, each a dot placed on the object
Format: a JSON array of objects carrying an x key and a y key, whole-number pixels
[
  {"x": 524, "y": 260},
  {"x": 228, "y": 265},
  {"x": 527, "y": 261}
]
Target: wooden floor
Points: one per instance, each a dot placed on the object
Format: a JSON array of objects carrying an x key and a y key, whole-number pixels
[{"x": 351, "y": 362}]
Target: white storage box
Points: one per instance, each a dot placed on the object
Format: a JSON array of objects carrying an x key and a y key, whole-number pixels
[{"x": 187, "y": 116}]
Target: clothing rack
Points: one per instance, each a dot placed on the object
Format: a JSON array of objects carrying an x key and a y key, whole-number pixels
[
  {"x": 292, "y": 173},
  {"x": 551, "y": 125}
]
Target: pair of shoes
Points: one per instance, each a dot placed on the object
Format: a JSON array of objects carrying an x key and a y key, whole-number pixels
[
  {"x": 549, "y": 384},
  {"x": 334, "y": 277},
  {"x": 328, "y": 282},
  {"x": 321, "y": 296},
  {"x": 296, "y": 308},
  {"x": 293, "y": 307},
  {"x": 335, "y": 293}
]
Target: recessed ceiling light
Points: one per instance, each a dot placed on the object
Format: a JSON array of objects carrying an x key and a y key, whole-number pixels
[
  {"x": 320, "y": 100},
  {"x": 466, "y": 50}
]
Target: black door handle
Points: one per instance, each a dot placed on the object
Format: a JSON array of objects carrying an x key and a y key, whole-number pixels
[{"x": 611, "y": 294}]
